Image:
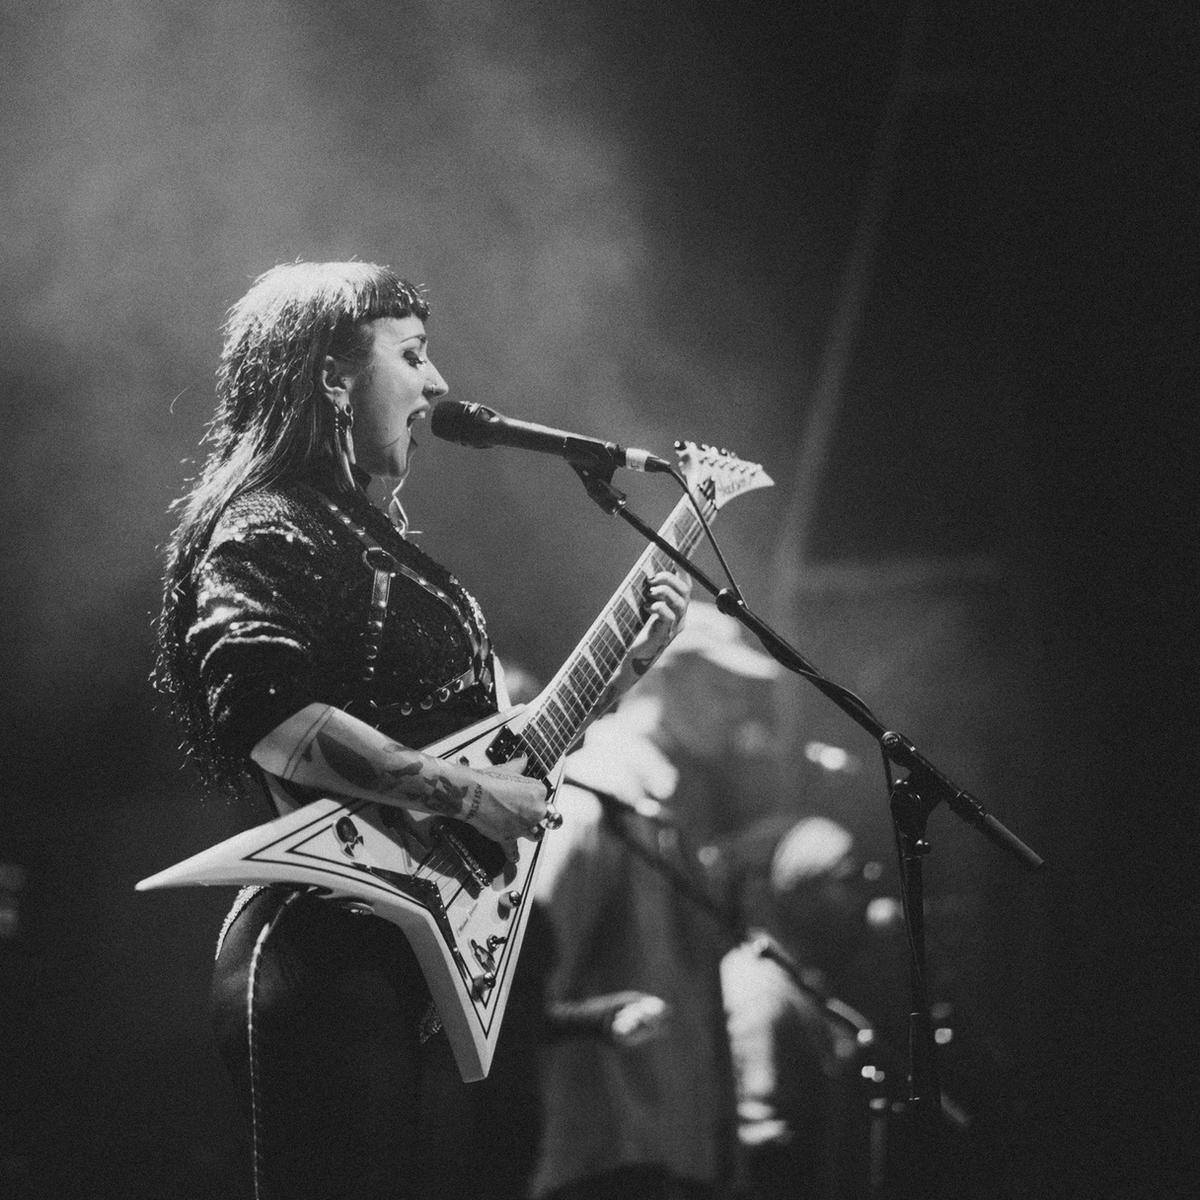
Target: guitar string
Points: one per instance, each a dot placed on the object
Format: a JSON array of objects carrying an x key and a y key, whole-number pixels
[
  {"x": 606, "y": 640},
  {"x": 609, "y": 647}
]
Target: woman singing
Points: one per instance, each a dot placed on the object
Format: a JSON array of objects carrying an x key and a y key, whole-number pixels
[{"x": 280, "y": 654}]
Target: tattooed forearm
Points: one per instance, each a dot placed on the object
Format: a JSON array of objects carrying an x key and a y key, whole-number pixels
[
  {"x": 391, "y": 776},
  {"x": 404, "y": 774},
  {"x": 353, "y": 767},
  {"x": 476, "y": 797},
  {"x": 444, "y": 797}
]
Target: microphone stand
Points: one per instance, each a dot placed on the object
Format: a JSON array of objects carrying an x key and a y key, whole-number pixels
[{"x": 912, "y": 798}]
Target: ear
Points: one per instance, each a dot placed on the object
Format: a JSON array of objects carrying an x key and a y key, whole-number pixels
[{"x": 335, "y": 379}]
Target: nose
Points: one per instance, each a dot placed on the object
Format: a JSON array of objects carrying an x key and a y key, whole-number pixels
[{"x": 435, "y": 385}]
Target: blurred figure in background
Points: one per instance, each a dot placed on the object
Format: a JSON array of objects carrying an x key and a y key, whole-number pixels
[
  {"x": 802, "y": 1108},
  {"x": 637, "y": 1083},
  {"x": 804, "y": 881}
]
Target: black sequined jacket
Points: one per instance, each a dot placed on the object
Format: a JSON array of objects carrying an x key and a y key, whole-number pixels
[{"x": 287, "y": 613}]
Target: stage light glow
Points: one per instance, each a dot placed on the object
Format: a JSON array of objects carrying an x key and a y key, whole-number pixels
[{"x": 830, "y": 758}]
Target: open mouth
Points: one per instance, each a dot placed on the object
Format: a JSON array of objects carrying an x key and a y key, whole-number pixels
[{"x": 419, "y": 415}]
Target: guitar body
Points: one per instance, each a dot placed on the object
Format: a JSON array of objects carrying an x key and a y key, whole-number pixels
[{"x": 462, "y": 904}]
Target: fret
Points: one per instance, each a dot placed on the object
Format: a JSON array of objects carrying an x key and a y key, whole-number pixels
[
  {"x": 607, "y": 651},
  {"x": 557, "y": 714},
  {"x": 572, "y": 707},
  {"x": 545, "y": 728},
  {"x": 582, "y": 679},
  {"x": 612, "y": 620},
  {"x": 627, "y": 616},
  {"x": 610, "y": 625},
  {"x": 595, "y": 676},
  {"x": 545, "y": 745},
  {"x": 541, "y": 756}
]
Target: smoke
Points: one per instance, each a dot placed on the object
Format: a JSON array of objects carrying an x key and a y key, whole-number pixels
[{"x": 165, "y": 153}]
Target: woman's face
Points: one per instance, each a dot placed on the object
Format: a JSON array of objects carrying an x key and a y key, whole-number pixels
[{"x": 392, "y": 391}]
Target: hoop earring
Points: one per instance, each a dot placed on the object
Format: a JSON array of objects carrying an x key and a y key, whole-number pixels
[{"x": 343, "y": 422}]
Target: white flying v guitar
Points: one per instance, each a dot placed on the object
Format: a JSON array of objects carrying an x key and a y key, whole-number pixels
[{"x": 461, "y": 903}]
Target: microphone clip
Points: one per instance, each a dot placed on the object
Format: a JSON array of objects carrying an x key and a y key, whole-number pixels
[{"x": 597, "y": 482}]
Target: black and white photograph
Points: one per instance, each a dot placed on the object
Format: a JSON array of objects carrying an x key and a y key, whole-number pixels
[{"x": 600, "y": 600}]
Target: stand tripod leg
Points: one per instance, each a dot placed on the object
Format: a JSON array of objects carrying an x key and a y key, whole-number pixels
[{"x": 915, "y": 1152}]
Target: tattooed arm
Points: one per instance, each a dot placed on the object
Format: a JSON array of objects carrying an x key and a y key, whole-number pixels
[{"x": 324, "y": 747}]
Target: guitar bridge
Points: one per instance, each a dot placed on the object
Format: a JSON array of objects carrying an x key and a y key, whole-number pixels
[{"x": 480, "y": 857}]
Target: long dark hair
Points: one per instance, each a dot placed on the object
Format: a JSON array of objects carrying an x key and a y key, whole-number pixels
[{"x": 271, "y": 423}]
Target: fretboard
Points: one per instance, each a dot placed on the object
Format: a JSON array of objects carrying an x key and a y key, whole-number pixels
[{"x": 573, "y": 694}]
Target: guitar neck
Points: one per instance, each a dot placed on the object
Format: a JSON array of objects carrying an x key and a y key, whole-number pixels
[{"x": 572, "y": 696}]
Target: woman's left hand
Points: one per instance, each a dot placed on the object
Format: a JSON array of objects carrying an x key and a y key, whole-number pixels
[{"x": 668, "y": 595}]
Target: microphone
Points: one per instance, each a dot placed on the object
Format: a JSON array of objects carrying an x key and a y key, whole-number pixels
[{"x": 482, "y": 427}]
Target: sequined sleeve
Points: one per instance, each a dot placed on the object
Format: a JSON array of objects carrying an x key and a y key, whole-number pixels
[{"x": 253, "y": 639}]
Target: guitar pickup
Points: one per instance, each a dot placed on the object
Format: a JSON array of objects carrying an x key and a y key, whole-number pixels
[{"x": 505, "y": 746}]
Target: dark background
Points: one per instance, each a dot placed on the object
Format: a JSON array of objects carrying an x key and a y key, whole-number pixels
[{"x": 950, "y": 318}]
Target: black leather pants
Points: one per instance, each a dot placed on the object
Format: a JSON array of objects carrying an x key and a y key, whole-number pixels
[{"x": 317, "y": 1014}]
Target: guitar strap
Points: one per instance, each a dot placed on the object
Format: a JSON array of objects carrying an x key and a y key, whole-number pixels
[{"x": 384, "y": 567}]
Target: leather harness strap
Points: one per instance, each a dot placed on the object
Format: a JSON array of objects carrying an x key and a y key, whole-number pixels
[{"x": 384, "y": 567}]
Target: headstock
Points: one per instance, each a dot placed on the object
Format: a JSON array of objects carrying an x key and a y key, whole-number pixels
[{"x": 718, "y": 474}]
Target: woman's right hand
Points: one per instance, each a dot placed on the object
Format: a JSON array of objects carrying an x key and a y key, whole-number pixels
[{"x": 505, "y": 805}]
